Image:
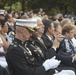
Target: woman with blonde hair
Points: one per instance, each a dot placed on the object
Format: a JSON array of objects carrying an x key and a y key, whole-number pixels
[{"x": 67, "y": 50}]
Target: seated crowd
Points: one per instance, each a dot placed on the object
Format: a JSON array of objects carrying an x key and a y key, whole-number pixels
[{"x": 33, "y": 44}]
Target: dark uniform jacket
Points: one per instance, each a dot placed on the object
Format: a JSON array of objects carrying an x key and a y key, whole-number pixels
[
  {"x": 21, "y": 61},
  {"x": 26, "y": 59}
]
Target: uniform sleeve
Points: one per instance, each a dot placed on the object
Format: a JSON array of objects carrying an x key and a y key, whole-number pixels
[{"x": 17, "y": 60}]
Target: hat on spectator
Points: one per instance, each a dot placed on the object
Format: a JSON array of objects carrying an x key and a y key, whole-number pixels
[
  {"x": 2, "y": 12},
  {"x": 29, "y": 24}
]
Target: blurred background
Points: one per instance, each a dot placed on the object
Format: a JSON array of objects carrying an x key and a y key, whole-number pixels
[{"x": 50, "y": 6}]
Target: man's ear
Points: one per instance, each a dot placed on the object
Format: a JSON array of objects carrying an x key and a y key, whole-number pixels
[{"x": 21, "y": 30}]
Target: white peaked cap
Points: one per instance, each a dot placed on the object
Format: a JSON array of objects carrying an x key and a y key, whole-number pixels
[{"x": 29, "y": 23}]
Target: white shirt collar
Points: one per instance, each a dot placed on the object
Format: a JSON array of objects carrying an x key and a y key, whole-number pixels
[{"x": 49, "y": 37}]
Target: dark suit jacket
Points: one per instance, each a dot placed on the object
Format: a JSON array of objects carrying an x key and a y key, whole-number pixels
[
  {"x": 65, "y": 57},
  {"x": 47, "y": 41},
  {"x": 3, "y": 71}
]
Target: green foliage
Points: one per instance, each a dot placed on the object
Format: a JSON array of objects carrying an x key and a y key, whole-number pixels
[
  {"x": 50, "y": 6},
  {"x": 16, "y": 6}
]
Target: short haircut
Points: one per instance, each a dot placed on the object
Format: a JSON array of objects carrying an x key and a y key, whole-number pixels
[{"x": 47, "y": 24}]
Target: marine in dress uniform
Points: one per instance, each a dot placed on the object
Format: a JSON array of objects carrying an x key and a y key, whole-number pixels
[{"x": 20, "y": 59}]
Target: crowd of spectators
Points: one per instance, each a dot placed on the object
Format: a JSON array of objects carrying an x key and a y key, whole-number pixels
[{"x": 62, "y": 28}]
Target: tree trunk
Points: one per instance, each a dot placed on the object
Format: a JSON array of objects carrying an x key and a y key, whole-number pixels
[
  {"x": 66, "y": 9},
  {"x": 23, "y": 5}
]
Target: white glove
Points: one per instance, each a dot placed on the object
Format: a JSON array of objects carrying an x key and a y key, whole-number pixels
[
  {"x": 54, "y": 63},
  {"x": 46, "y": 64},
  {"x": 51, "y": 64}
]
